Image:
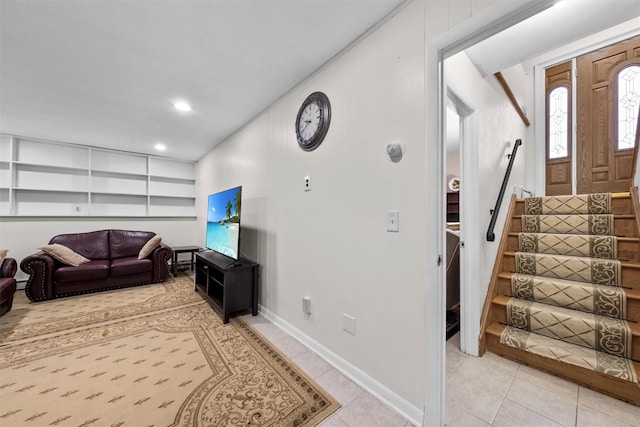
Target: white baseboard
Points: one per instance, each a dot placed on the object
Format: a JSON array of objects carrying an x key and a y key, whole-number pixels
[{"x": 390, "y": 398}]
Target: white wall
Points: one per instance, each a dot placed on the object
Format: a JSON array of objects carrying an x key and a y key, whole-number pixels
[
  {"x": 23, "y": 236},
  {"x": 331, "y": 243}
]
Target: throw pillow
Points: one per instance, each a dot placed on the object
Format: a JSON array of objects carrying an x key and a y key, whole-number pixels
[
  {"x": 64, "y": 254},
  {"x": 149, "y": 247},
  {"x": 3, "y": 254}
]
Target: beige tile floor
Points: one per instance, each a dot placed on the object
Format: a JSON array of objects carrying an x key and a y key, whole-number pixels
[
  {"x": 485, "y": 391},
  {"x": 493, "y": 391}
]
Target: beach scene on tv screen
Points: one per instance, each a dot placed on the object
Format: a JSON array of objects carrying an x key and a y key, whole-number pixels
[{"x": 223, "y": 222}]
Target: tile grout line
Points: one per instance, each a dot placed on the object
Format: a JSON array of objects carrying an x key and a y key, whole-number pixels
[{"x": 493, "y": 419}]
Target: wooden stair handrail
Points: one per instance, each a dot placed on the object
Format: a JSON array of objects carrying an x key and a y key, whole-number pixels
[
  {"x": 512, "y": 98},
  {"x": 497, "y": 268}
]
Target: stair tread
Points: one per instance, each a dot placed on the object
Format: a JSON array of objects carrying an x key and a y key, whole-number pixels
[
  {"x": 496, "y": 329},
  {"x": 623, "y": 263},
  {"x": 503, "y": 300},
  {"x": 564, "y": 315},
  {"x": 620, "y": 238},
  {"x": 631, "y": 293},
  {"x": 620, "y": 195}
]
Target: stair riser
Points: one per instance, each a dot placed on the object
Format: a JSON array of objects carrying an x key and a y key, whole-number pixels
[
  {"x": 620, "y": 389},
  {"x": 622, "y": 226},
  {"x": 630, "y": 273},
  {"x": 499, "y": 314},
  {"x": 633, "y": 305},
  {"x": 628, "y": 251},
  {"x": 619, "y": 206}
]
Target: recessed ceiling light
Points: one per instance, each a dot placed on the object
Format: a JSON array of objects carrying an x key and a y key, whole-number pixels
[
  {"x": 182, "y": 106},
  {"x": 160, "y": 146}
]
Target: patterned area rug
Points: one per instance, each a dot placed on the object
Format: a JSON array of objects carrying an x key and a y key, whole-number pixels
[{"x": 155, "y": 355}]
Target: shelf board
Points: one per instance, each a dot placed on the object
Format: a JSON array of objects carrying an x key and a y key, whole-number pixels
[
  {"x": 48, "y": 190},
  {"x": 110, "y": 193},
  {"x": 115, "y": 174},
  {"x": 157, "y": 178},
  {"x": 42, "y": 166},
  {"x": 164, "y": 196}
]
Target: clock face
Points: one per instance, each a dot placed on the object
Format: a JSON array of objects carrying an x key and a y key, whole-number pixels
[
  {"x": 312, "y": 122},
  {"x": 309, "y": 121}
]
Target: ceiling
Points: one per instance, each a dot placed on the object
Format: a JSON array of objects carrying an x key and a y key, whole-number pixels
[
  {"x": 106, "y": 73},
  {"x": 565, "y": 22}
]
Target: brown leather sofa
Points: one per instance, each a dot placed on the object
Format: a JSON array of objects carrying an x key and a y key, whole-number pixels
[
  {"x": 8, "y": 270},
  {"x": 113, "y": 263}
]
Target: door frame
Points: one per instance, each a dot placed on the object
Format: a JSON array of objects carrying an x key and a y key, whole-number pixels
[
  {"x": 501, "y": 15},
  {"x": 469, "y": 234},
  {"x": 539, "y": 99}
]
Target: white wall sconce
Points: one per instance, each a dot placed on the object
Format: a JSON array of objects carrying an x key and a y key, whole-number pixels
[{"x": 394, "y": 151}]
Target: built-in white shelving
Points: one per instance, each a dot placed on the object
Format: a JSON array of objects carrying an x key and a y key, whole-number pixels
[{"x": 44, "y": 178}]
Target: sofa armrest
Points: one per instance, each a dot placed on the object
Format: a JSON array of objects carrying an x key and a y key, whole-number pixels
[
  {"x": 161, "y": 256},
  {"x": 40, "y": 268},
  {"x": 9, "y": 268}
]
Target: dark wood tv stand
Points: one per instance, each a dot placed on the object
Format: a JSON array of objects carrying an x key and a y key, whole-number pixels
[{"x": 232, "y": 286}]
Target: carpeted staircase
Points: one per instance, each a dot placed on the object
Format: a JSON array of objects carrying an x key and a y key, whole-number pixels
[{"x": 565, "y": 293}]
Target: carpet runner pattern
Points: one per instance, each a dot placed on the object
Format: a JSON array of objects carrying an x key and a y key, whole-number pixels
[
  {"x": 151, "y": 355},
  {"x": 597, "y": 225},
  {"x": 569, "y": 244},
  {"x": 567, "y": 301}
]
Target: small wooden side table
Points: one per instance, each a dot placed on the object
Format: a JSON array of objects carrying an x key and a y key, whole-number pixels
[{"x": 181, "y": 250}]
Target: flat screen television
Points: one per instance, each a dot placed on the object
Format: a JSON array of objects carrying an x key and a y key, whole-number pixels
[{"x": 223, "y": 222}]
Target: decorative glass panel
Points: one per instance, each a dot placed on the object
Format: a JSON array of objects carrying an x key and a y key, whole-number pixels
[
  {"x": 559, "y": 122},
  {"x": 628, "y": 104}
]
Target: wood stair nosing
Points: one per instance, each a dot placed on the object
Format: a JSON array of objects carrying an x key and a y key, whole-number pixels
[
  {"x": 633, "y": 296},
  {"x": 607, "y": 384},
  {"x": 499, "y": 315}
]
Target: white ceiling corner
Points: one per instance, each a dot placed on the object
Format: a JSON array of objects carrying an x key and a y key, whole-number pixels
[{"x": 105, "y": 73}]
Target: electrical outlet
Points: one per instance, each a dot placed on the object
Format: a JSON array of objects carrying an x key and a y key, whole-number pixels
[
  {"x": 307, "y": 183},
  {"x": 392, "y": 221},
  {"x": 349, "y": 323},
  {"x": 306, "y": 305}
]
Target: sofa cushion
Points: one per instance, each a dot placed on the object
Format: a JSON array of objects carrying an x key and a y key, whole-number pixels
[
  {"x": 130, "y": 265},
  {"x": 123, "y": 243},
  {"x": 150, "y": 246},
  {"x": 64, "y": 254},
  {"x": 92, "y": 270},
  {"x": 93, "y": 245}
]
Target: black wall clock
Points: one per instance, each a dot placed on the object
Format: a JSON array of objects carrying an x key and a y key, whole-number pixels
[{"x": 312, "y": 122}]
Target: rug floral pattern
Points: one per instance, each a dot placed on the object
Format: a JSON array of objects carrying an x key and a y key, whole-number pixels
[{"x": 155, "y": 355}]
